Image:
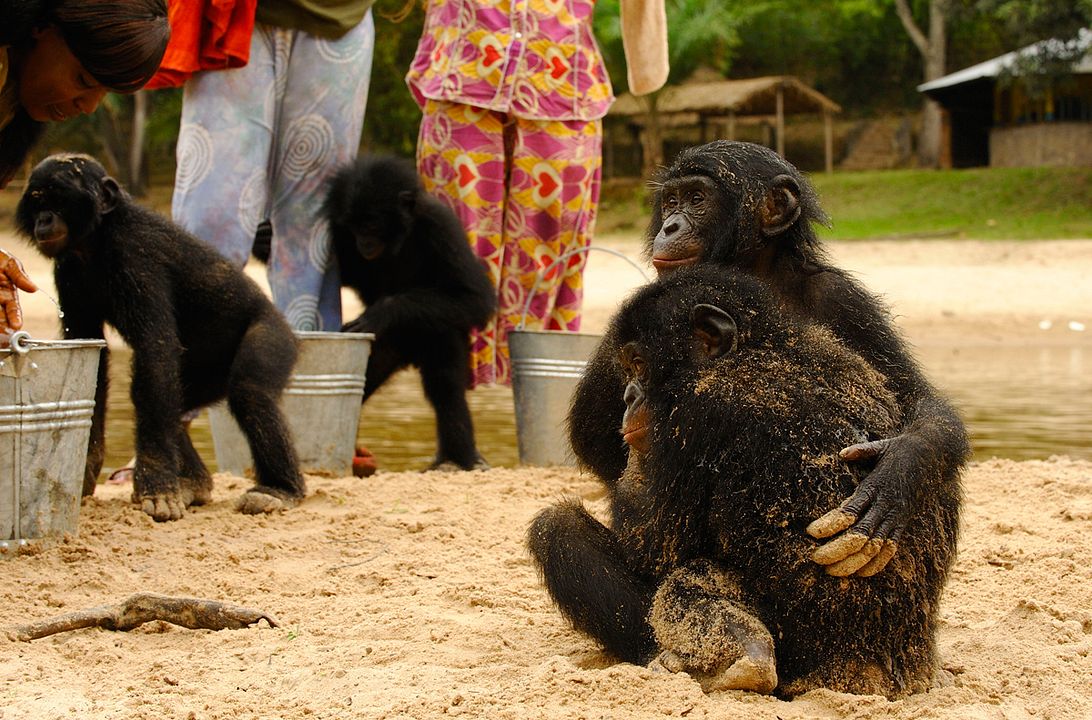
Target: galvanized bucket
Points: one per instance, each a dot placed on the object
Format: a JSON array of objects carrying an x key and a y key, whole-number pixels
[
  {"x": 47, "y": 398},
  {"x": 321, "y": 404},
  {"x": 546, "y": 367}
]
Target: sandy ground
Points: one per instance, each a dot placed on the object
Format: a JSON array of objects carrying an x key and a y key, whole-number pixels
[{"x": 410, "y": 595}]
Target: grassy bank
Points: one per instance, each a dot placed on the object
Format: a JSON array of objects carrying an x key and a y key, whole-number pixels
[{"x": 986, "y": 203}]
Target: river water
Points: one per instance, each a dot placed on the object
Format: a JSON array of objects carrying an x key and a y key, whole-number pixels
[{"x": 1019, "y": 403}]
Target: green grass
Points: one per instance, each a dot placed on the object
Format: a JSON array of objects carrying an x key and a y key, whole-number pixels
[
  {"x": 987, "y": 203},
  {"x": 984, "y": 203}
]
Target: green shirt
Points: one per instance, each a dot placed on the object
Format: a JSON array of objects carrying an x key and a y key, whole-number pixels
[{"x": 328, "y": 19}]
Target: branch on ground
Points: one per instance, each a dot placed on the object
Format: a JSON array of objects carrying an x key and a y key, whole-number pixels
[{"x": 193, "y": 613}]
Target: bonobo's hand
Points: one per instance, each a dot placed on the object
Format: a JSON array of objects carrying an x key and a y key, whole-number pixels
[
  {"x": 878, "y": 511},
  {"x": 12, "y": 277}
]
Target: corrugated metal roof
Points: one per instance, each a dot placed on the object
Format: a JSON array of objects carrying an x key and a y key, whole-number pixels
[
  {"x": 993, "y": 68},
  {"x": 754, "y": 96}
]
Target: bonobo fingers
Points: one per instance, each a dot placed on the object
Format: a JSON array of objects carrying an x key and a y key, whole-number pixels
[
  {"x": 865, "y": 450},
  {"x": 872, "y": 518}
]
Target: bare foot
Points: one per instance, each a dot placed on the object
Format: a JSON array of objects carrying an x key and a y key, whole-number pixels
[
  {"x": 260, "y": 499},
  {"x": 754, "y": 674},
  {"x": 163, "y": 506}
]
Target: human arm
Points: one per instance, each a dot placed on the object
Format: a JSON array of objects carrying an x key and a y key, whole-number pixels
[{"x": 644, "y": 42}]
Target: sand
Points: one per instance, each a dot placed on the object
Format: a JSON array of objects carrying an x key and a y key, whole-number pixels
[{"x": 410, "y": 595}]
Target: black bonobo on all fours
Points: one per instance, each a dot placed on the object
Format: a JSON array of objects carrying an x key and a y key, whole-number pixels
[
  {"x": 407, "y": 256},
  {"x": 200, "y": 331}
]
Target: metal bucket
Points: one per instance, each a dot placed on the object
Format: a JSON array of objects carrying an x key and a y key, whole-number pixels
[
  {"x": 47, "y": 398},
  {"x": 321, "y": 405},
  {"x": 546, "y": 367}
]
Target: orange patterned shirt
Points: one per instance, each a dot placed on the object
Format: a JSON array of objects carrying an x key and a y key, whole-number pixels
[{"x": 533, "y": 59}]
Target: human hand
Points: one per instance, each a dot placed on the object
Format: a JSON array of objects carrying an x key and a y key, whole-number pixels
[
  {"x": 12, "y": 278},
  {"x": 874, "y": 516}
]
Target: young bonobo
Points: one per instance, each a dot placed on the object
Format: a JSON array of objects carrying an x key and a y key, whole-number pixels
[
  {"x": 200, "y": 331},
  {"x": 406, "y": 255},
  {"x": 736, "y": 205},
  {"x": 735, "y": 413}
]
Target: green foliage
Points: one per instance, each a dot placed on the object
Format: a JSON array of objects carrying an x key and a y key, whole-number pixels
[
  {"x": 990, "y": 203},
  {"x": 392, "y": 118}
]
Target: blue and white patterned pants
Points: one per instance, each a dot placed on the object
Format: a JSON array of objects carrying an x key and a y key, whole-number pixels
[{"x": 258, "y": 142}]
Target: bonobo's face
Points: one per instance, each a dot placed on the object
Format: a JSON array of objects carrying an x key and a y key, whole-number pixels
[
  {"x": 637, "y": 420},
  {"x": 691, "y": 207},
  {"x": 64, "y": 200},
  {"x": 368, "y": 233},
  {"x": 380, "y": 227}
]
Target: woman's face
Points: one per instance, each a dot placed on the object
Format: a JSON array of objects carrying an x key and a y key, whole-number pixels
[{"x": 52, "y": 83}]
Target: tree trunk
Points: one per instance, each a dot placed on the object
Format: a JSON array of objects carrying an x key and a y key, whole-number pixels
[
  {"x": 933, "y": 51},
  {"x": 137, "y": 184},
  {"x": 652, "y": 143}
]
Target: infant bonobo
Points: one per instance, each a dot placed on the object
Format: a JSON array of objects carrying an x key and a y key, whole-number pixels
[
  {"x": 735, "y": 414},
  {"x": 200, "y": 331},
  {"x": 408, "y": 258}
]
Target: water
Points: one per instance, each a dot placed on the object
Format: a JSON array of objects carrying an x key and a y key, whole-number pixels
[{"x": 1019, "y": 403}]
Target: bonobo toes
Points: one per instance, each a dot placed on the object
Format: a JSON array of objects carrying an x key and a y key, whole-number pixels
[
  {"x": 755, "y": 671},
  {"x": 163, "y": 506},
  {"x": 262, "y": 499}
]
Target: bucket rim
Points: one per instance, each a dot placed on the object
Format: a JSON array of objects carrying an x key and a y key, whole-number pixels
[
  {"x": 332, "y": 335},
  {"x": 35, "y": 345},
  {"x": 555, "y": 333}
]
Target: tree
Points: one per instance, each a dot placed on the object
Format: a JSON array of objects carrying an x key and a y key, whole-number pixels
[{"x": 933, "y": 49}]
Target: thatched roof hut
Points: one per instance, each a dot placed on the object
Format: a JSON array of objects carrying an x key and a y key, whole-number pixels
[{"x": 702, "y": 102}]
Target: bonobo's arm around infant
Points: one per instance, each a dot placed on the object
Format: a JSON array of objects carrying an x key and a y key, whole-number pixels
[{"x": 739, "y": 205}]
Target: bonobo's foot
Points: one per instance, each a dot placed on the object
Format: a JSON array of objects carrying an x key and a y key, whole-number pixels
[
  {"x": 200, "y": 490},
  {"x": 449, "y": 465},
  {"x": 755, "y": 671},
  {"x": 263, "y": 499},
  {"x": 171, "y": 504}
]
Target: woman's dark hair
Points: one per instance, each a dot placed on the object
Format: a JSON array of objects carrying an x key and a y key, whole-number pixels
[{"x": 120, "y": 42}]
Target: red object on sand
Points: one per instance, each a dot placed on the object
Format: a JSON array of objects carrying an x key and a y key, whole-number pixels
[{"x": 364, "y": 463}]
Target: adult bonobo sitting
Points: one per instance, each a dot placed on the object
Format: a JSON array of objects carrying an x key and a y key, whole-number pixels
[{"x": 740, "y": 205}]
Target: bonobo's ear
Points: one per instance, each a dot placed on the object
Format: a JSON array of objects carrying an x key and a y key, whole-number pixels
[
  {"x": 407, "y": 201},
  {"x": 714, "y": 329},
  {"x": 781, "y": 206},
  {"x": 108, "y": 199}
]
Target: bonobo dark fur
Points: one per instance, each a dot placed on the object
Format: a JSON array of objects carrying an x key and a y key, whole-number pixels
[
  {"x": 707, "y": 566},
  {"x": 736, "y": 205},
  {"x": 200, "y": 331},
  {"x": 408, "y": 258}
]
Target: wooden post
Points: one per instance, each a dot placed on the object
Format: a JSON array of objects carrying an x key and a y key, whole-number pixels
[
  {"x": 828, "y": 137},
  {"x": 780, "y": 121}
]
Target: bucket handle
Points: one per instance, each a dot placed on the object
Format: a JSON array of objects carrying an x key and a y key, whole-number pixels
[
  {"x": 565, "y": 256},
  {"x": 20, "y": 342}
]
